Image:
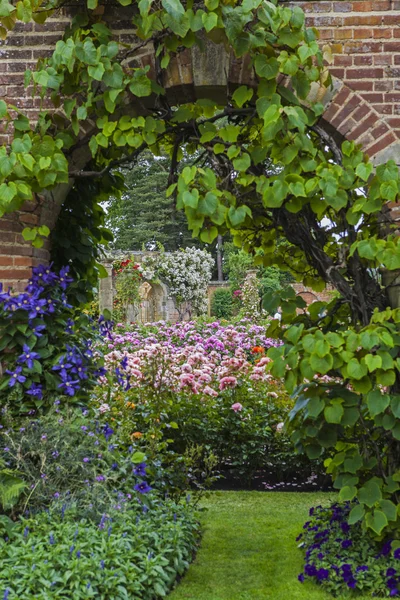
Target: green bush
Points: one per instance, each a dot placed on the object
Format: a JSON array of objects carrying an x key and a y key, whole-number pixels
[
  {"x": 222, "y": 304},
  {"x": 135, "y": 551}
]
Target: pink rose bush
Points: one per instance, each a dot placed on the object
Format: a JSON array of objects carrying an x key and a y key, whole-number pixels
[
  {"x": 198, "y": 385},
  {"x": 186, "y": 358}
]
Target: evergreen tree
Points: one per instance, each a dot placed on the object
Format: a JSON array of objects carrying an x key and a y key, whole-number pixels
[{"x": 143, "y": 216}]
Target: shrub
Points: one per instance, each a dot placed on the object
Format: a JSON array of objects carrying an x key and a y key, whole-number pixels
[
  {"x": 46, "y": 346},
  {"x": 343, "y": 557},
  {"x": 135, "y": 552},
  {"x": 222, "y": 304}
]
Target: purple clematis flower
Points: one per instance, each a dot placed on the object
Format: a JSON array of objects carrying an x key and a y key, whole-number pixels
[
  {"x": 16, "y": 376},
  {"x": 35, "y": 390},
  {"x": 28, "y": 356}
]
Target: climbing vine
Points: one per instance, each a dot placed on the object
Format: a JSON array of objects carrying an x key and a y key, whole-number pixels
[{"x": 340, "y": 359}]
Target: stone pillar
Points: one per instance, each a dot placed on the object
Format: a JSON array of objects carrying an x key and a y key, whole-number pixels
[{"x": 106, "y": 290}]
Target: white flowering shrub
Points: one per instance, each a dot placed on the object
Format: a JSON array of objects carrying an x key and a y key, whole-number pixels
[{"x": 187, "y": 273}]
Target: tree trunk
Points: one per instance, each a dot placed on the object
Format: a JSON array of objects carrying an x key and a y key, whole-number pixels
[{"x": 219, "y": 258}]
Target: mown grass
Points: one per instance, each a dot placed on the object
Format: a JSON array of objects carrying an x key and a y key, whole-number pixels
[{"x": 249, "y": 552}]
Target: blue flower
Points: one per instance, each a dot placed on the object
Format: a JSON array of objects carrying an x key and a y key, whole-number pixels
[
  {"x": 52, "y": 540},
  {"x": 142, "y": 487},
  {"x": 35, "y": 390},
  {"x": 301, "y": 578},
  {"x": 347, "y": 543},
  {"x": 16, "y": 376},
  {"x": 140, "y": 470},
  {"x": 362, "y": 568},
  {"x": 322, "y": 574},
  {"x": 64, "y": 279},
  {"x": 310, "y": 570},
  {"x": 107, "y": 431},
  {"x": 28, "y": 356},
  {"x": 69, "y": 385},
  {"x": 390, "y": 572},
  {"x": 397, "y": 553}
]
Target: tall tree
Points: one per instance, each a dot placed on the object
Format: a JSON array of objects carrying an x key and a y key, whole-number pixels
[{"x": 143, "y": 216}]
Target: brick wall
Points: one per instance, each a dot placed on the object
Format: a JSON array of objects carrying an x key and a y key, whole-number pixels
[{"x": 363, "y": 106}]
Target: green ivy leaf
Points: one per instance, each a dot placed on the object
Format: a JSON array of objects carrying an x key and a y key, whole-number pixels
[
  {"x": 356, "y": 513},
  {"x": 364, "y": 170},
  {"x": 242, "y": 95},
  {"x": 356, "y": 370},
  {"x": 370, "y": 494},
  {"x": 265, "y": 67},
  {"x": 376, "y": 521}
]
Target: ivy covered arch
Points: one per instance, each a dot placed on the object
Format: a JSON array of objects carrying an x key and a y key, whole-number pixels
[{"x": 264, "y": 169}]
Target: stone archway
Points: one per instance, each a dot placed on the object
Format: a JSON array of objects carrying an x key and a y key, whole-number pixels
[{"x": 153, "y": 302}]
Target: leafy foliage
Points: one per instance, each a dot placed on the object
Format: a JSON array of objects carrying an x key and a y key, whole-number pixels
[
  {"x": 326, "y": 201},
  {"x": 222, "y": 304},
  {"x": 128, "y": 553}
]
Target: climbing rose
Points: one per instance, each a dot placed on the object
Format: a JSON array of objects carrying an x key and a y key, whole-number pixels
[{"x": 237, "y": 407}]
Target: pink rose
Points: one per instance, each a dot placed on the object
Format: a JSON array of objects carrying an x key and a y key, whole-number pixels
[{"x": 237, "y": 407}]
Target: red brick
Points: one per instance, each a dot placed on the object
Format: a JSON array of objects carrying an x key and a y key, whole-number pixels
[
  {"x": 363, "y": 34},
  {"x": 364, "y": 59},
  {"x": 366, "y": 47},
  {"x": 383, "y": 33},
  {"x": 360, "y": 86},
  {"x": 346, "y": 110},
  {"x": 391, "y": 47},
  {"x": 361, "y": 112},
  {"x": 365, "y": 5},
  {"x": 364, "y": 126},
  {"x": 364, "y": 73},
  {"x": 380, "y": 130},
  {"x": 383, "y": 109},
  {"x": 383, "y": 59},
  {"x": 381, "y": 144},
  {"x": 342, "y": 61},
  {"x": 358, "y": 21},
  {"x": 343, "y": 34},
  {"x": 373, "y": 97},
  {"x": 23, "y": 261},
  {"x": 342, "y": 6},
  {"x": 6, "y": 261},
  {"x": 6, "y": 274}
]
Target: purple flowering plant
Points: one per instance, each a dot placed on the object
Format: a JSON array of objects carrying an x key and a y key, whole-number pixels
[
  {"x": 73, "y": 459},
  {"x": 343, "y": 557},
  {"x": 45, "y": 344}
]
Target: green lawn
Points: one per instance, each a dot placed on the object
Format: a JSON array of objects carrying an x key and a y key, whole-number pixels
[{"x": 249, "y": 552}]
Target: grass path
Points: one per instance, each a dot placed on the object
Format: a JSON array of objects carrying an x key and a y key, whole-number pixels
[{"x": 248, "y": 551}]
